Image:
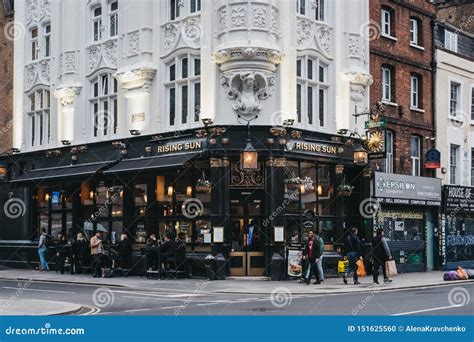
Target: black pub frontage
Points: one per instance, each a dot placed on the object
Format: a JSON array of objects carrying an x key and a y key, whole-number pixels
[
  {"x": 457, "y": 227},
  {"x": 192, "y": 181}
]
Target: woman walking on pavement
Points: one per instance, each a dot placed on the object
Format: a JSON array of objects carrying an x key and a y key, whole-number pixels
[
  {"x": 353, "y": 248},
  {"x": 381, "y": 254},
  {"x": 42, "y": 250}
]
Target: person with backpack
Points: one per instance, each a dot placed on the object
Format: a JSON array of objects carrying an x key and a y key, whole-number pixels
[
  {"x": 43, "y": 250},
  {"x": 380, "y": 254},
  {"x": 353, "y": 248}
]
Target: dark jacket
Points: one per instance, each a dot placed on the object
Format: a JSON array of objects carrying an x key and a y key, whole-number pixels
[
  {"x": 170, "y": 247},
  {"x": 152, "y": 243},
  {"x": 316, "y": 250},
  {"x": 380, "y": 249},
  {"x": 124, "y": 247},
  {"x": 80, "y": 249},
  {"x": 352, "y": 243}
]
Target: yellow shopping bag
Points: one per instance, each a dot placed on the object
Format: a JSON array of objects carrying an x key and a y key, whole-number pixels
[{"x": 342, "y": 265}]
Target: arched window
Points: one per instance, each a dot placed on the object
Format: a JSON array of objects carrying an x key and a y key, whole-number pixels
[
  {"x": 311, "y": 91},
  {"x": 113, "y": 19},
  {"x": 39, "y": 117},
  {"x": 104, "y": 105},
  {"x": 183, "y": 88}
]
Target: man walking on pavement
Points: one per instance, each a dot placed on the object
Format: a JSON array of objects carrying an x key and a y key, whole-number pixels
[
  {"x": 312, "y": 252},
  {"x": 353, "y": 248},
  {"x": 381, "y": 254},
  {"x": 97, "y": 249}
]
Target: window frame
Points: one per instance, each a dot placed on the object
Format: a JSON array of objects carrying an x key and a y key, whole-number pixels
[
  {"x": 416, "y": 31},
  {"x": 387, "y": 69},
  {"x": 389, "y": 143},
  {"x": 415, "y": 90},
  {"x": 387, "y": 22},
  {"x": 39, "y": 115},
  {"x": 453, "y": 167},
  {"x": 34, "y": 44},
  {"x": 174, "y": 10},
  {"x": 415, "y": 160},
  {"x": 113, "y": 16},
  {"x": 189, "y": 85},
  {"x": 97, "y": 20},
  {"x": 106, "y": 102},
  {"x": 197, "y": 6},
  {"x": 315, "y": 86},
  {"x": 47, "y": 40},
  {"x": 453, "y": 40},
  {"x": 453, "y": 110}
]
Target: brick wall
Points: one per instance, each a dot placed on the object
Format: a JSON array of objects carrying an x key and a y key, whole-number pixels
[
  {"x": 405, "y": 61},
  {"x": 6, "y": 81}
]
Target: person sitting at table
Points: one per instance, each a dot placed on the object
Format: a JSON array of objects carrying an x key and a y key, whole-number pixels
[
  {"x": 169, "y": 249},
  {"x": 124, "y": 249},
  {"x": 151, "y": 258}
]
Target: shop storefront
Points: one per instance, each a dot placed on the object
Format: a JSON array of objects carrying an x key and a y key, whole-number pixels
[
  {"x": 194, "y": 184},
  {"x": 457, "y": 227},
  {"x": 408, "y": 214}
]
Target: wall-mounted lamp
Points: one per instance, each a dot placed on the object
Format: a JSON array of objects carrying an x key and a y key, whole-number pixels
[
  {"x": 320, "y": 190},
  {"x": 91, "y": 195},
  {"x": 170, "y": 191},
  {"x": 361, "y": 156},
  {"x": 47, "y": 197},
  {"x": 189, "y": 191}
]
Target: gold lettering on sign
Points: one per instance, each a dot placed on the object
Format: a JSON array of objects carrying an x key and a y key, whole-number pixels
[
  {"x": 180, "y": 147},
  {"x": 309, "y": 147}
]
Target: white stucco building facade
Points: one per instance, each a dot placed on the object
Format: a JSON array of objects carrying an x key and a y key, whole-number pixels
[{"x": 96, "y": 70}]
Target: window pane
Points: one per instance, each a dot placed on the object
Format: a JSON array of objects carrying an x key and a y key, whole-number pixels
[
  {"x": 184, "y": 68},
  {"x": 114, "y": 6},
  {"x": 322, "y": 72},
  {"x": 98, "y": 11},
  {"x": 172, "y": 104},
  {"x": 298, "y": 68},
  {"x": 172, "y": 72},
  {"x": 197, "y": 101},
  {"x": 184, "y": 104},
  {"x": 115, "y": 116},
  {"x": 197, "y": 67},
  {"x": 298, "y": 101},
  {"x": 310, "y": 69},
  {"x": 415, "y": 146},
  {"x": 322, "y": 105},
  {"x": 310, "y": 105}
]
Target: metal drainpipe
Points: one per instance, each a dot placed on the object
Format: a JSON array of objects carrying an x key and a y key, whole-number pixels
[{"x": 434, "y": 65}]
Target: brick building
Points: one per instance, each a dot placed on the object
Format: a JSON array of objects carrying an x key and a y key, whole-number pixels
[
  {"x": 400, "y": 62},
  {"x": 6, "y": 75}
]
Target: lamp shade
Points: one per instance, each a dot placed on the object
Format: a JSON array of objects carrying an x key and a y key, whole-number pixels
[
  {"x": 361, "y": 156},
  {"x": 249, "y": 158}
]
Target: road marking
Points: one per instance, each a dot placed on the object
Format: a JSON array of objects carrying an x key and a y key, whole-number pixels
[
  {"x": 428, "y": 310},
  {"x": 177, "y": 295},
  {"x": 136, "y": 310},
  {"x": 38, "y": 290}
]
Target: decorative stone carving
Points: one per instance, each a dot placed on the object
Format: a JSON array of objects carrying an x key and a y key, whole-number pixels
[
  {"x": 324, "y": 38},
  {"x": 247, "y": 179},
  {"x": 30, "y": 75},
  {"x": 94, "y": 54},
  {"x": 44, "y": 71},
  {"x": 192, "y": 32},
  {"x": 37, "y": 10},
  {"x": 222, "y": 18},
  {"x": 226, "y": 55},
  {"x": 247, "y": 89},
  {"x": 260, "y": 17},
  {"x": 304, "y": 33},
  {"x": 110, "y": 49},
  {"x": 355, "y": 47},
  {"x": 275, "y": 26},
  {"x": 69, "y": 62},
  {"x": 67, "y": 94},
  {"x": 238, "y": 16},
  {"x": 134, "y": 43},
  {"x": 136, "y": 81},
  {"x": 170, "y": 36},
  {"x": 359, "y": 83}
]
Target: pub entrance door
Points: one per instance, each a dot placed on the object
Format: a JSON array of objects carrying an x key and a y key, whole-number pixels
[{"x": 248, "y": 235}]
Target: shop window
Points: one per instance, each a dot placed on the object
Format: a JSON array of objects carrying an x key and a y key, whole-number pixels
[
  {"x": 39, "y": 116},
  {"x": 292, "y": 187},
  {"x": 324, "y": 189},
  {"x": 311, "y": 91},
  {"x": 459, "y": 233},
  {"x": 415, "y": 155},
  {"x": 308, "y": 191},
  {"x": 104, "y": 105}
]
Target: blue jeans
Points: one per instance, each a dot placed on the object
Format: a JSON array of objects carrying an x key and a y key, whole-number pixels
[
  {"x": 352, "y": 257},
  {"x": 320, "y": 267},
  {"x": 42, "y": 255}
]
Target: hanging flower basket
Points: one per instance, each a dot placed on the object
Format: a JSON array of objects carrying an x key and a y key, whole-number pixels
[
  {"x": 345, "y": 190},
  {"x": 203, "y": 186},
  {"x": 294, "y": 183}
]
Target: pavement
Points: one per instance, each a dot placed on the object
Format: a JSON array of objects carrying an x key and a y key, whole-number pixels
[
  {"x": 14, "y": 306},
  {"x": 235, "y": 285}
]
